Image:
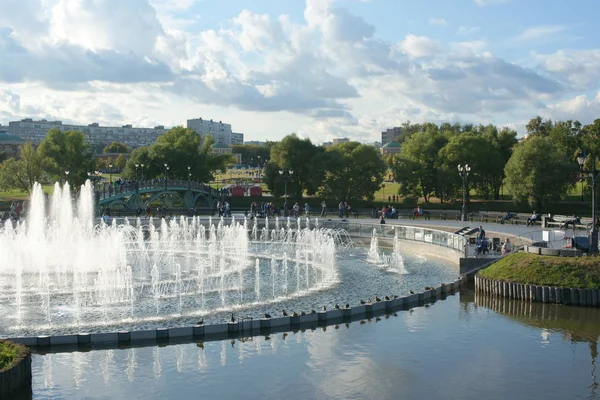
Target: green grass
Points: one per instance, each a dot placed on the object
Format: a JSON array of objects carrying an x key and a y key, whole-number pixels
[
  {"x": 576, "y": 272},
  {"x": 10, "y": 353}
]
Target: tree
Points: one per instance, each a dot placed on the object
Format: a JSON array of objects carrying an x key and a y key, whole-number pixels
[
  {"x": 120, "y": 162},
  {"x": 23, "y": 171},
  {"x": 251, "y": 153},
  {"x": 67, "y": 151},
  {"x": 294, "y": 154},
  {"x": 416, "y": 166},
  {"x": 116, "y": 147},
  {"x": 352, "y": 171},
  {"x": 179, "y": 148},
  {"x": 538, "y": 171}
]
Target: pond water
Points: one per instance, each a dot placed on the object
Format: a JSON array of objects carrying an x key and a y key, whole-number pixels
[{"x": 462, "y": 347}]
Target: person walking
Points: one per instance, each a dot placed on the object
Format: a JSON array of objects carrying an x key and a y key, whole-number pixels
[
  {"x": 323, "y": 209},
  {"x": 341, "y": 209}
]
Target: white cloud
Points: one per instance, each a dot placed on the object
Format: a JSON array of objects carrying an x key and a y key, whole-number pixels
[
  {"x": 538, "y": 32},
  {"x": 326, "y": 76},
  {"x": 419, "y": 46},
  {"x": 438, "y": 22}
]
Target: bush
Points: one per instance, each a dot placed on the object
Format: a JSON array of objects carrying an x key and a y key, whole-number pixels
[{"x": 11, "y": 353}]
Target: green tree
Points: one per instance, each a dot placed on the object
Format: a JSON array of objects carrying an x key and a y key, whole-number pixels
[
  {"x": 352, "y": 171},
  {"x": 67, "y": 151},
  {"x": 539, "y": 171},
  {"x": 23, "y": 171},
  {"x": 120, "y": 162},
  {"x": 116, "y": 147},
  {"x": 417, "y": 164},
  {"x": 294, "y": 154},
  {"x": 251, "y": 153},
  {"x": 179, "y": 148}
]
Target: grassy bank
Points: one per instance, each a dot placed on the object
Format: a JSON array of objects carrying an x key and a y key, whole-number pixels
[
  {"x": 11, "y": 353},
  {"x": 576, "y": 272}
]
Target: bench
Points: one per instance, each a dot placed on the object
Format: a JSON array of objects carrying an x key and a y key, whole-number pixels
[
  {"x": 585, "y": 223},
  {"x": 494, "y": 216}
]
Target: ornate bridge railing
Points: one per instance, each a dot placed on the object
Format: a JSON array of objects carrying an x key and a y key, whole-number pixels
[{"x": 106, "y": 190}]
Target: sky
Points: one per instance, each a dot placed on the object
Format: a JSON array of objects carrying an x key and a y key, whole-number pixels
[{"x": 321, "y": 68}]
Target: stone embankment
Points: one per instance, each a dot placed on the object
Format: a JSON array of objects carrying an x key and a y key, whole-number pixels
[{"x": 16, "y": 378}]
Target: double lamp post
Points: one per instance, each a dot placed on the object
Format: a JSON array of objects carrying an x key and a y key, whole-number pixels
[
  {"x": 285, "y": 175},
  {"x": 593, "y": 174},
  {"x": 463, "y": 171}
]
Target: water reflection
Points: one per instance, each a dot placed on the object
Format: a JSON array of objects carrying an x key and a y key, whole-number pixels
[
  {"x": 472, "y": 347},
  {"x": 573, "y": 324}
]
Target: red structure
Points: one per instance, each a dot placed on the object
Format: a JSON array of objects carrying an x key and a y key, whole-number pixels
[
  {"x": 255, "y": 191},
  {"x": 238, "y": 191}
]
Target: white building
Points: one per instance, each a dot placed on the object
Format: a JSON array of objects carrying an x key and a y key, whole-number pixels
[
  {"x": 218, "y": 130},
  {"x": 340, "y": 140},
  {"x": 237, "y": 138},
  {"x": 36, "y": 131}
]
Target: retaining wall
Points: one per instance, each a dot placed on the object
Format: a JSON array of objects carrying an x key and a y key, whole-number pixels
[
  {"x": 17, "y": 378},
  {"x": 240, "y": 328},
  {"x": 535, "y": 293}
]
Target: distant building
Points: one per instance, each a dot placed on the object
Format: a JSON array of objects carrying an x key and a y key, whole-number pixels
[
  {"x": 218, "y": 130},
  {"x": 340, "y": 140},
  {"x": 390, "y": 148},
  {"x": 36, "y": 131},
  {"x": 390, "y": 135},
  {"x": 327, "y": 144},
  {"x": 255, "y": 143},
  {"x": 221, "y": 148},
  {"x": 9, "y": 144},
  {"x": 237, "y": 138}
]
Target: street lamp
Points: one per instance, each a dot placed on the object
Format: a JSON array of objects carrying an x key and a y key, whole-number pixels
[
  {"x": 110, "y": 173},
  {"x": 593, "y": 174},
  {"x": 286, "y": 175},
  {"x": 166, "y": 174},
  {"x": 142, "y": 165},
  {"x": 136, "y": 170},
  {"x": 66, "y": 176},
  {"x": 189, "y": 178},
  {"x": 463, "y": 171}
]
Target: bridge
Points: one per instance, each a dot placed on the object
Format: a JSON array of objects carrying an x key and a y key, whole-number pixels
[{"x": 132, "y": 195}]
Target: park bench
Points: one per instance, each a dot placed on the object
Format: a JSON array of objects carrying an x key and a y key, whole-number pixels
[
  {"x": 493, "y": 216},
  {"x": 558, "y": 221},
  {"x": 585, "y": 223}
]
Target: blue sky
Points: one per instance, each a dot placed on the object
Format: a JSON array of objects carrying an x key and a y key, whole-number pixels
[{"x": 321, "y": 68}]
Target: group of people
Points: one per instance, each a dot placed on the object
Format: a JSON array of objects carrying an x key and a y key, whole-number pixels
[{"x": 482, "y": 243}]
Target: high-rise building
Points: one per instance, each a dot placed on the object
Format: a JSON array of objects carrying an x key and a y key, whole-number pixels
[
  {"x": 390, "y": 135},
  {"x": 218, "y": 130},
  {"x": 36, "y": 131},
  {"x": 237, "y": 138}
]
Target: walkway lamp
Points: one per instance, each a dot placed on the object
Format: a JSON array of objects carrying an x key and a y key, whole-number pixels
[
  {"x": 286, "y": 175},
  {"x": 189, "y": 178},
  {"x": 110, "y": 173},
  {"x": 593, "y": 174},
  {"x": 142, "y": 165},
  {"x": 166, "y": 174},
  {"x": 136, "y": 170},
  {"x": 66, "y": 176},
  {"x": 463, "y": 171}
]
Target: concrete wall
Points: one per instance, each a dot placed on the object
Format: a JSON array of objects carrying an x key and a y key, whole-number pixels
[
  {"x": 544, "y": 294},
  {"x": 16, "y": 379}
]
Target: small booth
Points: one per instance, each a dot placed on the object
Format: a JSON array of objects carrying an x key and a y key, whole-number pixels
[
  {"x": 255, "y": 191},
  {"x": 238, "y": 191}
]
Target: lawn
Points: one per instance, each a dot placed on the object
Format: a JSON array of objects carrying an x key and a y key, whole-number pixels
[{"x": 576, "y": 272}]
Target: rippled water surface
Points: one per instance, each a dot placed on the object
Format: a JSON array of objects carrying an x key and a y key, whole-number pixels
[{"x": 458, "y": 348}]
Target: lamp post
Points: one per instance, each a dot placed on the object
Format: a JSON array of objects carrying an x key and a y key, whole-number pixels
[
  {"x": 286, "y": 175},
  {"x": 189, "y": 178},
  {"x": 66, "y": 176},
  {"x": 463, "y": 171},
  {"x": 166, "y": 174},
  {"x": 136, "y": 171},
  {"x": 142, "y": 165},
  {"x": 109, "y": 173},
  {"x": 593, "y": 174}
]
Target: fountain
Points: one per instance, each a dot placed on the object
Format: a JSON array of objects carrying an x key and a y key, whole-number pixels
[{"x": 63, "y": 272}]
